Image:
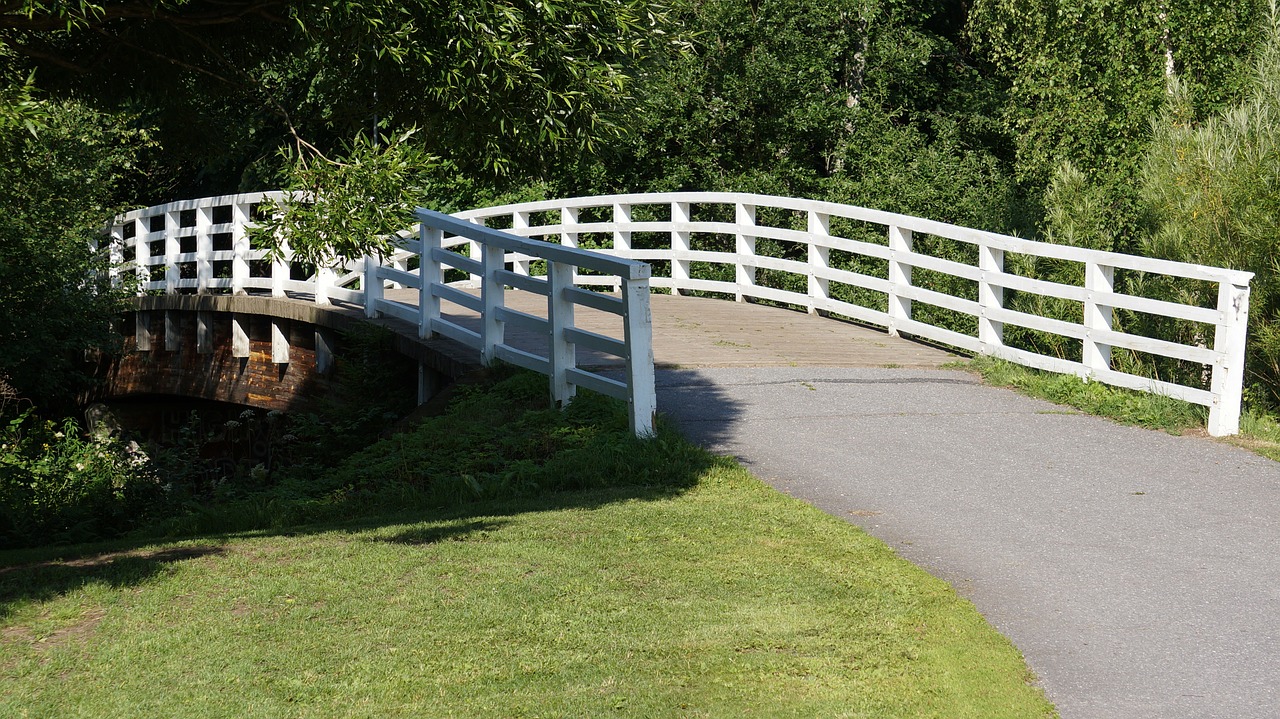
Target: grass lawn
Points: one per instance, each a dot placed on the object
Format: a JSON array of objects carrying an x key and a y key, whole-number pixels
[{"x": 724, "y": 599}]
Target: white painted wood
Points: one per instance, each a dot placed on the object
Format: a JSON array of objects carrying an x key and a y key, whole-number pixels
[
  {"x": 520, "y": 224},
  {"x": 473, "y": 252},
  {"x": 561, "y": 352},
  {"x": 568, "y": 218},
  {"x": 432, "y": 277},
  {"x": 899, "y": 278},
  {"x": 324, "y": 350},
  {"x": 745, "y": 246},
  {"x": 204, "y": 333},
  {"x": 324, "y": 284},
  {"x": 142, "y": 331},
  {"x": 990, "y": 297},
  {"x": 621, "y": 236},
  {"x": 240, "y": 336},
  {"x": 1227, "y": 382},
  {"x": 819, "y": 260},
  {"x": 492, "y": 296},
  {"x": 172, "y": 248},
  {"x": 279, "y": 341},
  {"x": 240, "y": 246},
  {"x": 681, "y": 242},
  {"x": 372, "y": 286},
  {"x": 1098, "y": 279},
  {"x": 638, "y": 328},
  {"x": 172, "y": 331},
  {"x": 204, "y": 249},
  {"x": 280, "y": 269}
]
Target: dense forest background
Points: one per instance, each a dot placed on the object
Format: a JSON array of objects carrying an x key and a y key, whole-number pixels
[{"x": 1144, "y": 126}]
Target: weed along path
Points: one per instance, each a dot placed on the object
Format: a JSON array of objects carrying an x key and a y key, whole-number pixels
[{"x": 1138, "y": 572}]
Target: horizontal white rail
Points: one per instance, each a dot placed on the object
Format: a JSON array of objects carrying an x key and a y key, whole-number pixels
[{"x": 674, "y": 229}]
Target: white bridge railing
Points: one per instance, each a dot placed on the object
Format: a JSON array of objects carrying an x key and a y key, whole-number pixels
[
  {"x": 672, "y": 231},
  {"x": 202, "y": 246}
]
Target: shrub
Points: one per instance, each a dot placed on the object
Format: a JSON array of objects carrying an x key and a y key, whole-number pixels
[{"x": 59, "y": 486}]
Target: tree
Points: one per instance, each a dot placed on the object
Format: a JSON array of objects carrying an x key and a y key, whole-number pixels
[
  {"x": 1213, "y": 190},
  {"x": 58, "y": 186},
  {"x": 498, "y": 87}
]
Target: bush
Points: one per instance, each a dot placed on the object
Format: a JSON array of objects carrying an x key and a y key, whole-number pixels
[{"x": 58, "y": 486}]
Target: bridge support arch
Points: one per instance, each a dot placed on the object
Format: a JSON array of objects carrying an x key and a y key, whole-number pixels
[{"x": 273, "y": 353}]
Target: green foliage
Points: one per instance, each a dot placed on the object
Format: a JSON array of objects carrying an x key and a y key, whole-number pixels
[
  {"x": 1213, "y": 190},
  {"x": 499, "y": 440},
  {"x": 57, "y": 187},
  {"x": 347, "y": 208},
  {"x": 1127, "y": 406},
  {"x": 56, "y": 486}
]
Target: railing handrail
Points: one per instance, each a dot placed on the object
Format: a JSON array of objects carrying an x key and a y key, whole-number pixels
[
  {"x": 492, "y": 251},
  {"x": 1008, "y": 243}
]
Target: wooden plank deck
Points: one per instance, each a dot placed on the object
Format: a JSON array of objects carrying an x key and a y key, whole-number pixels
[{"x": 703, "y": 332}]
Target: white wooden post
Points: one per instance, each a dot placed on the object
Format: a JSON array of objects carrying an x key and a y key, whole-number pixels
[
  {"x": 141, "y": 255},
  {"x": 638, "y": 335},
  {"x": 899, "y": 278},
  {"x": 280, "y": 269},
  {"x": 240, "y": 336},
  {"x": 142, "y": 331},
  {"x": 324, "y": 350},
  {"x": 325, "y": 278},
  {"x": 681, "y": 241},
  {"x": 520, "y": 221},
  {"x": 172, "y": 247},
  {"x": 745, "y": 246},
  {"x": 279, "y": 341},
  {"x": 204, "y": 250},
  {"x": 819, "y": 260},
  {"x": 372, "y": 284},
  {"x": 240, "y": 218},
  {"x": 1227, "y": 383},
  {"x": 204, "y": 333},
  {"x": 1098, "y": 279},
  {"x": 562, "y": 353},
  {"x": 621, "y": 238},
  {"x": 172, "y": 331},
  {"x": 474, "y": 251},
  {"x": 492, "y": 291},
  {"x": 568, "y": 218},
  {"x": 430, "y": 276},
  {"x": 990, "y": 297}
]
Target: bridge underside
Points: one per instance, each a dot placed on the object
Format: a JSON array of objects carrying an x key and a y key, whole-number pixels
[{"x": 266, "y": 352}]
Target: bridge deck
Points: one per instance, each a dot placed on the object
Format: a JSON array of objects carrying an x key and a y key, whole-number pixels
[{"x": 699, "y": 332}]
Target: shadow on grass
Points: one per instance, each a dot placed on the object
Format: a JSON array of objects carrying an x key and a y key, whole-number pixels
[
  {"x": 659, "y": 468},
  {"x": 88, "y": 565}
]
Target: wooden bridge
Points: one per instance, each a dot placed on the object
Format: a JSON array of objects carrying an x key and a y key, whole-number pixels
[{"x": 490, "y": 280}]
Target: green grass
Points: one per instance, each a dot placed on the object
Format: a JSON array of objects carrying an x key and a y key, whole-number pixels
[
  {"x": 527, "y": 573},
  {"x": 726, "y": 600},
  {"x": 1258, "y": 432}
]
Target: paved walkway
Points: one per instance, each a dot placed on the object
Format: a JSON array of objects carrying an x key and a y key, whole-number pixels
[{"x": 1139, "y": 573}]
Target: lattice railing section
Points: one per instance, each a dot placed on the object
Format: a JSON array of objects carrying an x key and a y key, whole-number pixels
[{"x": 928, "y": 279}]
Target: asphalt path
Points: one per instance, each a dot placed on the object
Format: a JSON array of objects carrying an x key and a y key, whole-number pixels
[{"x": 1138, "y": 572}]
